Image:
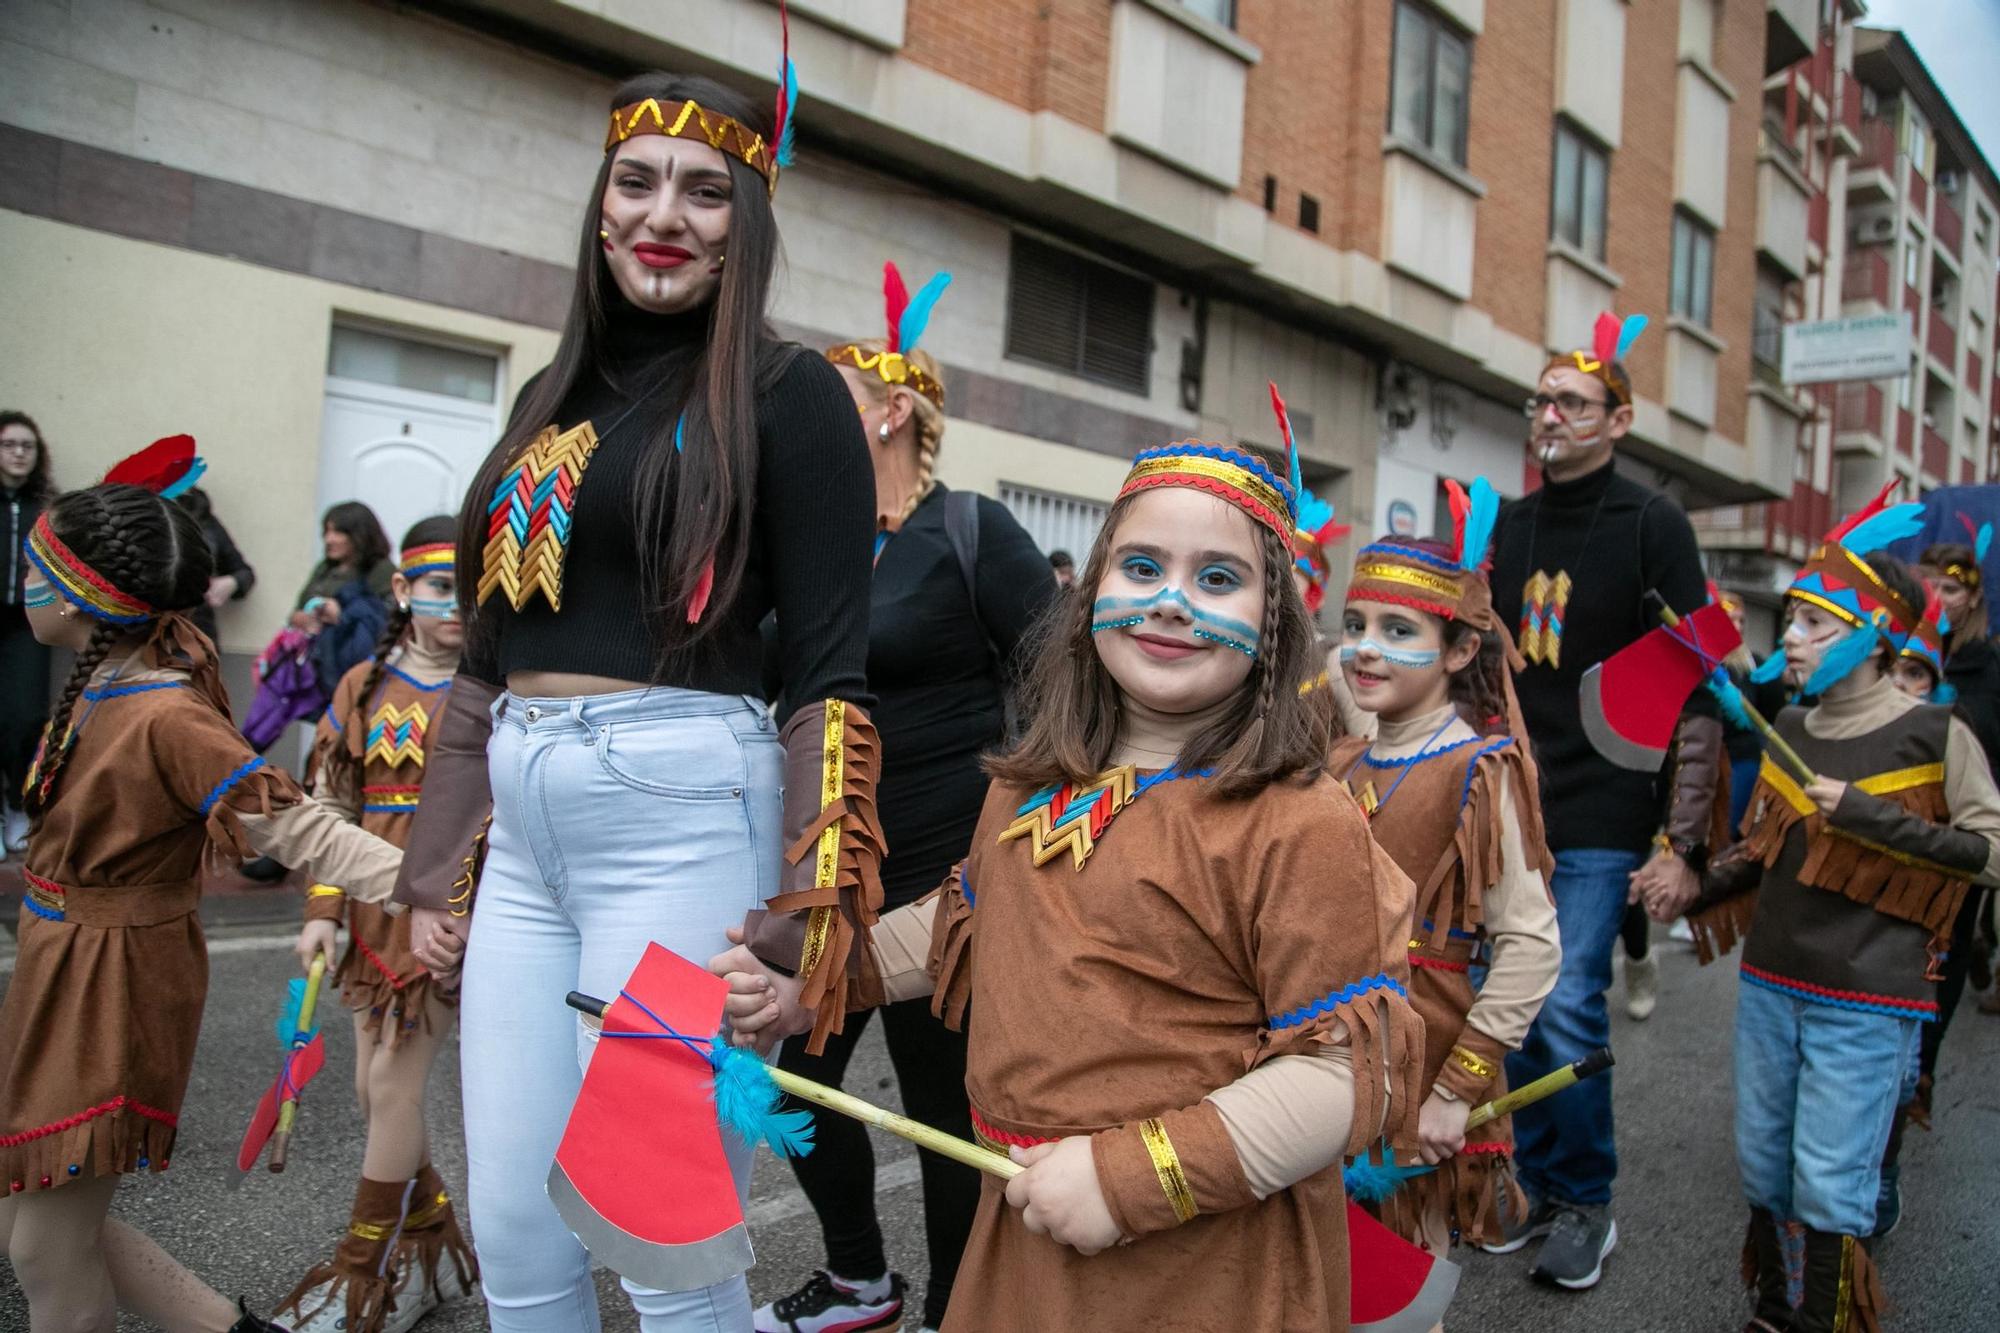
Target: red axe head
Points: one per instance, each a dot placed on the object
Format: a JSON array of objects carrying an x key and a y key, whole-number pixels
[
  {"x": 1632, "y": 700},
  {"x": 640, "y": 1175},
  {"x": 1396, "y": 1287}
]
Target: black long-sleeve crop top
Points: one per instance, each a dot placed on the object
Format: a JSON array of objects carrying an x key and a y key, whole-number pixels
[{"x": 810, "y": 549}]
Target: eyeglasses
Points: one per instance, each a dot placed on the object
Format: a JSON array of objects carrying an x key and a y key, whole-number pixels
[{"x": 1568, "y": 405}]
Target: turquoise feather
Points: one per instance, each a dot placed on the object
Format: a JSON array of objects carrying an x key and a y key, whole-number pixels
[
  {"x": 1983, "y": 543},
  {"x": 1370, "y": 1181},
  {"x": 917, "y": 314},
  {"x": 1840, "y": 658},
  {"x": 288, "y": 1021},
  {"x": 747, "y": 1099},
  {"x": 1628, "y": 333},
  {"x": 1879, "y": 530},
  {"x": 1734, "y": 707},
  {"x": 1769, "y": 669},
  {"x": 200, "y": 465},
  {"x": 1480, "y": 517},
  {"x": 787, "y": 135}
]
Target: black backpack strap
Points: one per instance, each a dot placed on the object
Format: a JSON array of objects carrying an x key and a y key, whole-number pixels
[{"x": 961, "y": 527}]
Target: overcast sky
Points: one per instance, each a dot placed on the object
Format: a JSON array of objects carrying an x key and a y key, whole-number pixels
[{"x": 1959, "y": 41}]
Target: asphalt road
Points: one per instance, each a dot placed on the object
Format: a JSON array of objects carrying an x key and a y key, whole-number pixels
[{"x": 1679, "y": 1211}]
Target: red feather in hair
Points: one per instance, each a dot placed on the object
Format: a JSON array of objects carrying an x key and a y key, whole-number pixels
[
  {"x": 1867, "y": 511},
  {"x": 896, "y": 297},
  {"x": 157, "y": 466},
  {"x": 1604, "y": 338},
  {"x": 1461, "y": 505},
  {"x": 1971, "y": 529}
]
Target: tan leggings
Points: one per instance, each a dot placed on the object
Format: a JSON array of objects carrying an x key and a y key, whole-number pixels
[
  {"x": 391, "y": 1070},
  {"x": 79, "y": 1266}
]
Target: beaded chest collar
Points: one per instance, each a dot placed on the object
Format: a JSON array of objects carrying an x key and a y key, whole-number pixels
[{"x": 1072, "y": 818}]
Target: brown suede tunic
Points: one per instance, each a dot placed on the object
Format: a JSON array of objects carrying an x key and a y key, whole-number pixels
[
  {"x": 97, "y": 1034},
  {"x": 1171, "y": 940},
  {"x": 378, "y": 973}
]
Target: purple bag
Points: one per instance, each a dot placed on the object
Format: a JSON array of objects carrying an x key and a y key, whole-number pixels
[{"x": 287, "y": 689}]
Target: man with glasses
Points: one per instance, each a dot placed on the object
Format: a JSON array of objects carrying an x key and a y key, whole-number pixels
[{"x": 1576, "y": 565}]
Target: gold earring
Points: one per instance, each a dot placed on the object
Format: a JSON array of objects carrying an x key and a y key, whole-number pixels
[{"x": 603, "y": 235}]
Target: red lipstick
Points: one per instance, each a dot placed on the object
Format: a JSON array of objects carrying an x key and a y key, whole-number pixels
[{"x": 654, "y": 255}]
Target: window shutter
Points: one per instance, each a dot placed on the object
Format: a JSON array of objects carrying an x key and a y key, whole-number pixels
[{"x": 1080, "y": 317}]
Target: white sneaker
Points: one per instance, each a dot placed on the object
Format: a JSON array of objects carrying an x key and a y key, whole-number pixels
[
  {"x": 1681, "y": 931},
  {"x": 17, "y": 830},
  {"x": 1642, "y": 987},
  {"x": 826, "y": 1304}
]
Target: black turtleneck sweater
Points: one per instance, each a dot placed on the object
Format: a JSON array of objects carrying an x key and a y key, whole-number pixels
[
  {"x": 810, "y": 548},
  {"x": 1616, "y": 539}
]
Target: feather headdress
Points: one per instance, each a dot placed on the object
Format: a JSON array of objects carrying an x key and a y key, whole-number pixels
[
  {"x": 1611, "y": 339},
  {"x": 907, "y": 318},
  {"x": 1838, "y": 580}
]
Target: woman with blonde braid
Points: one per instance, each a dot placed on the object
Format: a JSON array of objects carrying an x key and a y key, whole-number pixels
[{"x": 957, "y": 584}]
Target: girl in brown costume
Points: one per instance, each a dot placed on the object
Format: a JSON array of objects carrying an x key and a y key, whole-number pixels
[
  {"x": 141, "y": 779},
  {"x": 1165, "y": 891},
  {"x": 370, "y": 760},
  {"x": 1453, "y": 798}
]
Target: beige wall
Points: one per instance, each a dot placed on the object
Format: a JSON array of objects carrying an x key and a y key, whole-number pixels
[
  {"x": 979, "y": 458},
  {"x": 110, "y": 343}
]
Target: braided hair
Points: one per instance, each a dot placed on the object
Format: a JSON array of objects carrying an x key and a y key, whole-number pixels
[
  {"x": 342, "y": 763},
  {"x": 147, "y": 547},
  {"x": 928, "y": 415}
]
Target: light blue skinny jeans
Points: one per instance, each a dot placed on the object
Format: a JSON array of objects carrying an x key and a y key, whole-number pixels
[{"x": 618, "y": 819}]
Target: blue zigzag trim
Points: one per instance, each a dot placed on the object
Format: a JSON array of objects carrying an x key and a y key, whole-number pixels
[
  {"x": 1436, "y": 562},
  {"x": 1332, "y": 1000},
  {"x": 406, "y": 677},
  {"x": 334, "y": 722},
  {"x": 222, "y": 788},
  {"x": 45, "y": 913},
  {"x": 1472, "y": 765},
  {"x": 965, "y": 886},
  {"x": 1406, "y": 760},
  {"x": 1856, "y": 1006},
  {"x": 119, "y": 691}
]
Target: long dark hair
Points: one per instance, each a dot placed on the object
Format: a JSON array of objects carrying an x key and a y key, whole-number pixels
[
  {"x": 40, "y": 484},
  {"x": 705, "y": 514},
  {"x": 1272, "y": 732},
  {"x": 1973, "y": 624},
  {"x": 147, "y": 547},
  {"x": 357, "y": 522},
  {"x": 343, "y": 762}
]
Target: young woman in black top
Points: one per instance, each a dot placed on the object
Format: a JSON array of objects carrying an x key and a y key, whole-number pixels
[
  {"x": 675, "y": 475},
  {"x": 25, "y": 490},
  {"x": 941, "y": 646}
]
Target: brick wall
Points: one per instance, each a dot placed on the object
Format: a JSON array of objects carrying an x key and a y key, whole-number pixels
[
  {"x": 1298, "y": 106},
  {"x": 1040, "y": 55},
  {"x": 1512, "y": 152},
  {"x": 1639, "y": 238}
]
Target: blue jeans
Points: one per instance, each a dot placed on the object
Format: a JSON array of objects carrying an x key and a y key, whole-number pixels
[
  {"x": 1563, "y": 1146},
  {"x": 617, "y": 820},
  {"x": 1816, "y": 1089}
]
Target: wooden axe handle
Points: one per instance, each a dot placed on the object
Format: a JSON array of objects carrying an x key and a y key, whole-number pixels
[{"x": 1547, "y": 1085}]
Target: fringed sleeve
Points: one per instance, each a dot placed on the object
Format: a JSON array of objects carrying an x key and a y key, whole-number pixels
[
  {"x": 1500, "y": 780},
  {"x": 1330, "y": 931},
  {"x": 950, "y": 961},
  {"x": 1728, "y": 903},
  {"x": 448, "y": 832},
  {"x": 830, "y": 890}
]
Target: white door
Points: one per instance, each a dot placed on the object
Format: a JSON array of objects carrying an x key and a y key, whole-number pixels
[{"x": 405, "y": 452}]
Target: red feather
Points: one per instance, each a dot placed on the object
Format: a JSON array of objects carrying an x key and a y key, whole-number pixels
[
  {"x": 157, "y": 466},
  {"x": 1461, "y": 505},
  {"x": 698, "y": 600},
  {"x": 896, "y": 297},
  {"x": 1284, "y": 417},
  {"x": 1971, "y": 529},
  {"x": 1867, "y": 511},
  {"x": 1604, "y": 338}
]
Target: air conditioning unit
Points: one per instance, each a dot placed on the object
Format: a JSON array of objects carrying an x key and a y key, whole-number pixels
[
  {"x": 1881, "y": 227},
  {"x": 1947, "y": 181}
]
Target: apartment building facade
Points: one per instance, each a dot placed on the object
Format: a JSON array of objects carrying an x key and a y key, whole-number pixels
[
  {"x": 332, "y": 239},
  {"x": 1901, "y": 212}
]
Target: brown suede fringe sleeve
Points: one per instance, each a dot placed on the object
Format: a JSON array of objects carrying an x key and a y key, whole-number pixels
[
  {"x": 1160, "y": 1173},
  {"x": 448, "y": 830},
  {"x": 1721, "y": 916},
  {"x": 257, "y": 793},
  {"x": 950, "y": 962},
  {"x": 1451, "y": 898},
  {"x": 830, "y": 888}
]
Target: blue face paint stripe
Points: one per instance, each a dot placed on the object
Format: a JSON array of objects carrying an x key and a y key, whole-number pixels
[
  {"x": 1175, "y": 597},
  {"x": 437, "y": 608},
  {"x": 40, "y": 597},
  {"x": 1415, "y": 659},
  {"x": 1246, "y": 649}
]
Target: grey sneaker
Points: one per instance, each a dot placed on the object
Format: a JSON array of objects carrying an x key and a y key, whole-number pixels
[
  {"x": 1642, "y": 987},
  {"x": 1573, "y": 1255},
  {"x": 1517, "y": 1230}
]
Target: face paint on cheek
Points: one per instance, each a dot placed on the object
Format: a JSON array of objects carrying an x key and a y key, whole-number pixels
[
  {"x": 1416, "y": 659},
  {"x": 437, "y": 608},
  {"x": 40, "y": 596}
]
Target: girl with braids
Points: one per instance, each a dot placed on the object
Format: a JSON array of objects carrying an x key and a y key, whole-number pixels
[
  {"x": 1452, "y": 795},
  {"x": 1165, "y": 890},
  {"x": 388, "y": 1271},
  {"x": 141, "y": 779},
  {"x": 673, "y": 477},
  {"x": 957, "y": 585}
]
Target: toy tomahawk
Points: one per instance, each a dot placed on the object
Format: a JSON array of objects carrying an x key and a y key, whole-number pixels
[
  {"x": 1632, "y": 700},
  {"x": 305, "y": 1056},
  {"x": 672, "y": 1220}
]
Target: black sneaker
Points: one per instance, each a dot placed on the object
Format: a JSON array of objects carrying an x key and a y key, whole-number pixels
[
  {"x": 1573, "y": 1255},
  {"x": 1516, "y": 1231},
  {"x": 826, "y": 1304}
]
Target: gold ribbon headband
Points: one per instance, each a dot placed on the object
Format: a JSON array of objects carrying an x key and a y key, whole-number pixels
[
  {"x": 691, "y": 120},
  {"x": 891, "y": 367}
]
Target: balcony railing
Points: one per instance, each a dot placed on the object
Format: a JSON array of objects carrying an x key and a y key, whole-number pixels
[
  {"x": 1866, "y": 275},
  {"x": 1947, "y": 226},
  {"x": 1906, "y": 433},
  {"x": 1878, "y": 143},
  {"x": 1859, "y": 408},
  {"x": 1937, "y": 457},
  {"x": 1943, "y": 342}
]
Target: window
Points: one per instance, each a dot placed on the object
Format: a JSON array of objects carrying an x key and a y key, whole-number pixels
[
  {"x": 404, "y": 363},
  {"x": 1982, "y": 228},
  {"x": 1056, "y": 522},
  {"x": 1908, "y": 397},
  {"x": 1767, "y": 321},
  {"x": 1694, "y": 269},
  {"x": 1215, "y": 11},
  {"x": 1078, "y": 316},
  {"x": 1576, "y": 216},
  {"x": 1913, "y": 259},
  {"x": 1430, "y": 84},
  {"x": 1308, "y": 213},
  {"x": 1917, "y": 143},
  {"x": 1270, "y": 194}
]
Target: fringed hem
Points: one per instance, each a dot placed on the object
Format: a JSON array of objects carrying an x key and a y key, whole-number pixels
[
  {"x": 427, "y": 1248},
  {"x": 843, "y": 846},
  {"x": 950, "y": 960},
  {"x": 1893, "y": 883},
  {"x": 114, "y": 1144},
  {"x": 257, "y": 793},
  {"x": 406, "y": 1003},
  {"x": 1386, "y": 1038},
  {"x": 1453, "y": 897},
  {"x": 367, "y": 1298},
  {"x": 1866, "y": 1302},
  {"x": 1465, "y": 1195},
  {"x": 1717, "y": 929}
]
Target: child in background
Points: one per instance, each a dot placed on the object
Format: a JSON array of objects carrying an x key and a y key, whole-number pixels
[
  {"x": 1453, "y": 797},
  {"x": 141, "y": 780},
  {"x": 1918, "y": 670},
  {"x": 1165, "y": 890},
  {"x": 1844, "y": 889},
  {"x": 387, "y": 1272}
]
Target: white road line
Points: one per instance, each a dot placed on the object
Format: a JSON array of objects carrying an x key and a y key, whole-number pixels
[{"x": 260, "y": 941}]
